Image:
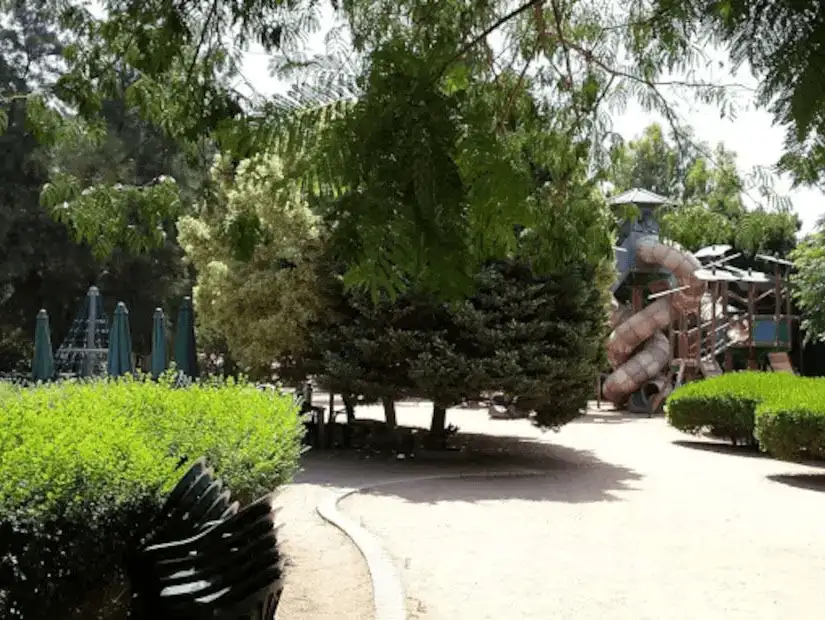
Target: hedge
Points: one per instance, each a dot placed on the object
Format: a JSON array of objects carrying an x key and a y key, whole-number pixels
[
  {"x": 85, "y": 466},
  {"x": 783, "y": 413}
]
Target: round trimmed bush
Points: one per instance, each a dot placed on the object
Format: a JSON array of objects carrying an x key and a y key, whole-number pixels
[
  {"x": 790, "y": 423},
  {"x": 783, "y": 413},
  {"x": 724, "y": 406}
]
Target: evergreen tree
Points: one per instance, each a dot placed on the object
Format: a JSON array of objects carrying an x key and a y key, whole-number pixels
[
  {"x": 540, "y": 339},
  {"x": 365, "y": 349}
]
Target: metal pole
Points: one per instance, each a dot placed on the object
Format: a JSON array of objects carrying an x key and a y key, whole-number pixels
[
  {"x": 91, "y": 330},
  {"x": 751, "y": 319},
  {"x": 713, "y": 324},
  {"x": 726, "y": 314}
]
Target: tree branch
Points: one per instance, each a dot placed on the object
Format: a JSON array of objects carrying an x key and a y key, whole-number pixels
[
  {"x": 511, "y": 98},
  {"x": 487, "y": 32}
]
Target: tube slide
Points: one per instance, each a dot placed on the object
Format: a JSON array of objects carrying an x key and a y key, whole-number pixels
[{"x": 631, "y": 330}]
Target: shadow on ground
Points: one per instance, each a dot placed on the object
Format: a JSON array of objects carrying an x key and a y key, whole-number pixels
[
  {"x": 568, "y": 475},
  {"x": 810, "y": 482},
  {"x": 721, "y": 448}
]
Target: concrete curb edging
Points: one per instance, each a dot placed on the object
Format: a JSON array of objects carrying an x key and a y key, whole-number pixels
[{"x": 389, "y": 599}]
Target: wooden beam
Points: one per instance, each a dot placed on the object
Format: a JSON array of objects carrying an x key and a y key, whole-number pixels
[
  {"x": 709, "y": 323},
  {"x": 714, "y": 296},
  {"x": 738, "y": 298},
  {"x": 726, "y": 314},
  {"x": 765, "y": 317},
  {"x": 637, "y": 298},
  {"x": 721, "y": 261},
  {"x": 773, "y": 259},
  {"x": 667, "y": 292},
  {"x": 770, "y": 291}
]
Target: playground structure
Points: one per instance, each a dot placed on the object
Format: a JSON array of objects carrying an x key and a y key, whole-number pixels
[
  {"x": 699, "y": 308},
  {"x": 84, "y": 352}
]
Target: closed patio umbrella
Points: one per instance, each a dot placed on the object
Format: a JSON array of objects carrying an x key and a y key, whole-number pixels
[
  {"x": 120, "y": 343},
  {"x": 43, "y": 362},
  {"x": 158, "y": 343},
  {"x": 185, "y": 351}
]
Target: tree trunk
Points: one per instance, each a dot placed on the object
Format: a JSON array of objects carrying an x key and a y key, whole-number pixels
[
  {"x": 349, "y": 407},
  {"x": 439, "y": 420},
  {"x": 389, "y": 413}
]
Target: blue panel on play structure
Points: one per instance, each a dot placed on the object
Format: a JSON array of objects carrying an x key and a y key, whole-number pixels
[
  {"x": 625, "y": 259},
  {"x": 764, "y": 332}
]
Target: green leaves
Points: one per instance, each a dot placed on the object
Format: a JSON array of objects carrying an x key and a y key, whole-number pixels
[
  {"x": 256, "y": 245},
  {"x": 695, "y": 226},
  {"x": 539, "y": 340},
  {"x": 782, "y": 43},
  {"x": 422, "y": 150},
  {"x": 457, "y": 78},
  {"x": 707, "y": 188},
  {"x": 783, "y": 412},
  {"x": 406, "y": 202},
  {"x": 84, "y": 467},
  {"x": 107, "y": 216},
  {"x": 809, "y": 284}
]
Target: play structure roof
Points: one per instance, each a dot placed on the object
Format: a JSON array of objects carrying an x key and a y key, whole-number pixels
[
  {"x": 732, "y": 274},
  {"x": 713, "y": 275},
  {"x": 712, "y": 251},
  {"x": 639, "y": 196}
]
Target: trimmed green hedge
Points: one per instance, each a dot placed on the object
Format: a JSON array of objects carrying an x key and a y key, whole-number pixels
[
  {"x": 791, "y": 425},
  {"x": 783, "y": 413},
  {"x": 85, "y": 466}
]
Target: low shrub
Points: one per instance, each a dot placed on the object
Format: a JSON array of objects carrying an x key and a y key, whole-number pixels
[
  {"x": 723, "y": 406},
  {"x": 791, "y": 424},
  {"x": 783, "y": 413},
  {"x": 84, "y": 467}
]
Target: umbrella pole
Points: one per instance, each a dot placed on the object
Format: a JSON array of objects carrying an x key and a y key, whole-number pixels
[{"x": 91, "y": 326}]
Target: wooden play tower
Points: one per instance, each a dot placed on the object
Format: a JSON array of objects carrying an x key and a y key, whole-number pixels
[{"x": 752, "y": 317}]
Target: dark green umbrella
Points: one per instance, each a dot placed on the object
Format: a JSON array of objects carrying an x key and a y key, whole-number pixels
[
  {"x": 43, "y": 363},
  {"x": 120, "y": 343},
  {"x": 158, "y": 343},
  {"x": 185, "y": 352}
]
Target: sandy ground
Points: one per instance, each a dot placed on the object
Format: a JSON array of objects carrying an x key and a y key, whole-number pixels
[
  {"x": 326, "y": 575},
  {"x": 633, "y": 521}
]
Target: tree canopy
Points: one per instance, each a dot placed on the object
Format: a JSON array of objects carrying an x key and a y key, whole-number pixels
[
  {"x": 809, "y": 283},
  {"x": 783, "y": 44},
  {"x": 420, "y": 132},
  {"x": 706, "y": 188},
  {"x": 41, "y": 266},
  {"x": 282, "y": 308}
]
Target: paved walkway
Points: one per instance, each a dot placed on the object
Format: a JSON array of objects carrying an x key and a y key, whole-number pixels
[{"x": 632, "y": 521}]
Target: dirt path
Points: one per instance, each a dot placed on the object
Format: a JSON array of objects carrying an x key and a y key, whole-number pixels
[
  {"x": 327, "y": 577},
  {"x": 633, "y": 521}
]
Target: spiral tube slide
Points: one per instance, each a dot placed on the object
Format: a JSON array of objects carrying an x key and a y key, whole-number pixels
[{"x": 631, "y": 330}]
